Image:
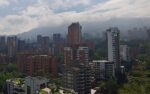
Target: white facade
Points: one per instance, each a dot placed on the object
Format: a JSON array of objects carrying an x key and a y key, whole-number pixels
[
  {"x": 124, "y": 52},
  {"x": 113, "y": 46},
  {"x": 110, "y": 46}
]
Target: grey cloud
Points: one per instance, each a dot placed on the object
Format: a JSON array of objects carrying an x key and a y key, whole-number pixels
[
  {"x": 42, "y": 15},
  {"x": 94, "y": 28}
]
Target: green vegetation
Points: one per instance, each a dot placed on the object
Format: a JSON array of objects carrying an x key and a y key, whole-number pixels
[
  {"x": 108, "y": 87},
  {"x": 139, "y": 76},
  {"x": 139, "y": 82},
  {"x": 8, "y": 72},
  {"x": 100, "y": 49},
  {"x": 43, "y": 92}
]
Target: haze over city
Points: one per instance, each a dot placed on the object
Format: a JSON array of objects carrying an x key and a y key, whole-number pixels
[{"x": 51, "y": 16}]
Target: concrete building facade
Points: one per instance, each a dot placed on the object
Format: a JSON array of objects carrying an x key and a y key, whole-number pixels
[
  {"x": 103, "y": 69},
  {"x": 78, "y": 79},
  {"x": 113, "y": 43},
  {"x": 125, "y": 52}
]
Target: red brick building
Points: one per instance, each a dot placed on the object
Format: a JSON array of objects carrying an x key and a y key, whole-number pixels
[
  {"x": 79, "y": 55},
  {"x": 37, "y": 64},
  {"x": 74, "y": 35},
  {"x": 68, "y": 56}
]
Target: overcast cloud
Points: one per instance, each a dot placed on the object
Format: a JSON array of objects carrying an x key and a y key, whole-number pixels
[{"x": 19, "y": 16}]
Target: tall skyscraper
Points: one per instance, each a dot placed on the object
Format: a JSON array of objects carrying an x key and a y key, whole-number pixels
[
  {"x": 74, "y": 35},
  {"x": 113, "y": 36}
]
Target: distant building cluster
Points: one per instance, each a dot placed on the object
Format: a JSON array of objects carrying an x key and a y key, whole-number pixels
[{"x": 139, "y": 33}]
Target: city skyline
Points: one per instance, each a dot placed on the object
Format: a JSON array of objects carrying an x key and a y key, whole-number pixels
[
  {"x": 74, "y": 47},
  {"x": 73, "y": 62}
]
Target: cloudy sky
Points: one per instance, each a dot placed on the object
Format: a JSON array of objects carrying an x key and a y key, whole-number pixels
[{"x": 17, "y": 16}]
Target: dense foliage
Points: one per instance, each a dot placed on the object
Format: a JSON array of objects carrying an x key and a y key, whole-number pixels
[
  {"x": 7, "y": 72},
  {"x": 139, "y": 76}
]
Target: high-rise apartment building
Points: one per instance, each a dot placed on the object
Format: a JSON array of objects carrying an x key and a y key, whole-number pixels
[
  {"x": 74, "y": 35},
  {"x": 113, "y": 38},
  {"x": 37, "y": 64},
  {"x": 78, "y": 79}
]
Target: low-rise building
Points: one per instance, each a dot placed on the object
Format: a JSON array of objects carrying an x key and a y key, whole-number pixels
[
  {"x": 16, "y": 86},
  {"x": 34, "y": 84},
  {"x": 28, "y": 85},
  {"x": 103, "y": 69}
]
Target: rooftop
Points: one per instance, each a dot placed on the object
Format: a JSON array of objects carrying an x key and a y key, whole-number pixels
[
  {"x": 101, "y": 61},
  {"x": 16, "y": 81}
]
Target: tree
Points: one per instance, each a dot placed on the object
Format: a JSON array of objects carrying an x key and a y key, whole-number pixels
[{"x": 112, "y": 86}]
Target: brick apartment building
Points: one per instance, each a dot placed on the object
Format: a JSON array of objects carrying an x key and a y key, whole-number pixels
[{"x": 30, "y": 64}]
